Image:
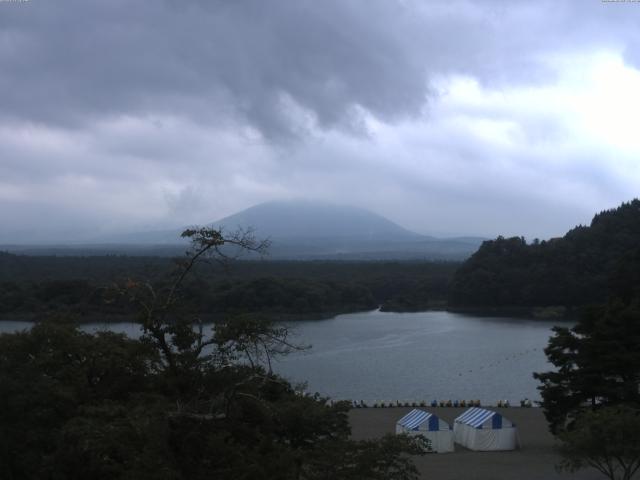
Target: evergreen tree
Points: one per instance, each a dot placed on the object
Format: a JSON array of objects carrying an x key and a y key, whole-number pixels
[{"x": 597, "y": 361}]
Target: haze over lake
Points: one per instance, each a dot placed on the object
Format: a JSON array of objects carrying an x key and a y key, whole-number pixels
[{"x": 409, "y": 356}]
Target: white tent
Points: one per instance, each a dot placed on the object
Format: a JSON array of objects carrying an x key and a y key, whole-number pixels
[
  {"x": 419, "y": 422},
  {"x": 485, "y": 430}
]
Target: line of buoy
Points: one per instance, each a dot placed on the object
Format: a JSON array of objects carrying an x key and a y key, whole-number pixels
[
  {"x": 498, "y": 362},
  {"x": 414, "y": 404},
  {"x": 434, "y": 403}
]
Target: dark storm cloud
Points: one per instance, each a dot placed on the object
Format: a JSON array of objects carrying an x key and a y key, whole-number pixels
[{"x": 65, "y": 61}]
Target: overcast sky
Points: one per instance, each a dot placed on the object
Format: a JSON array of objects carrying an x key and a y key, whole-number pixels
[{"x": 448, "y": 117}]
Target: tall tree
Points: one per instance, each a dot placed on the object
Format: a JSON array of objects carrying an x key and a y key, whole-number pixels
[
  {"x": 598, "y": 360},
  {"x": 607, "y": 440}
]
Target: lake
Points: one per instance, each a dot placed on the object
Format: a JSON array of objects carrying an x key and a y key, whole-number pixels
[{"x": 384, "y": 356}]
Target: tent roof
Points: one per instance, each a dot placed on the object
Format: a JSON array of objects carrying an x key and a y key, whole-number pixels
[
  {"x": 475, "y": 416},
  {"x": 415, "y": 418}
]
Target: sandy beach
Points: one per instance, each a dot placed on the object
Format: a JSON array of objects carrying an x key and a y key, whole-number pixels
[{"x": 535, "y": 460}]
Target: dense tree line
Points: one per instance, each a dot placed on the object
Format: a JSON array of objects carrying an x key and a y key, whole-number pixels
[
  {"x": 266, "y": 295},
  {"x": 574, "y": 270},
  {"x": 598, "y": 360},
  {"x": 79, "y": 285}
]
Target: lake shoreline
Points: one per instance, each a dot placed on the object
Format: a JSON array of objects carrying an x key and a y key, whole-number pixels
[
  {"x": 527, "y": 313},
  {"x": 560, "y": 313},
  {"x": 205, "y": 318}
]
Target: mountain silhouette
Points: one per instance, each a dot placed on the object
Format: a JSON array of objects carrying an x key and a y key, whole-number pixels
[{"x": 302, "y": 230}]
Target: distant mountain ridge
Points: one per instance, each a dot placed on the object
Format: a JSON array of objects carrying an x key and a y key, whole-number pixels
[
  {"x": 309, "y": 230},
  {"x": 314, "y": 220},
  {"x": 301, "y": 230}
]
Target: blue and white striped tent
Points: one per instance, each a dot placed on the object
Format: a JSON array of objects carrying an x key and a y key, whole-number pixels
[
  {"x": 481, "y": 429},
  {"x": 419, "y": 422}
]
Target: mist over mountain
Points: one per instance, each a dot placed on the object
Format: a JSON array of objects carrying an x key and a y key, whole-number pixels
[
  {"x": 315, "y": 220},
  {"x": 315, "y": 230},
  {"x": 297, "y": 229}
]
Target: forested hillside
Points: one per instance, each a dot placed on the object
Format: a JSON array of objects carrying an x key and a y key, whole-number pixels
[
  {"x": 36, "y": 286},
  {"x": 574, "y": 270}
]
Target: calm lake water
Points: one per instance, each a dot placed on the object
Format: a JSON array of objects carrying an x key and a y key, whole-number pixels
[{"x": 408, "y": 356}]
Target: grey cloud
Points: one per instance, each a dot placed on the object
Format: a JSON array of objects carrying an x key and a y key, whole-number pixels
[
  {"x": 69, "y": 60},
  {"x": 219, "y": 62},
  {"x": 181, "y": 111}
]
